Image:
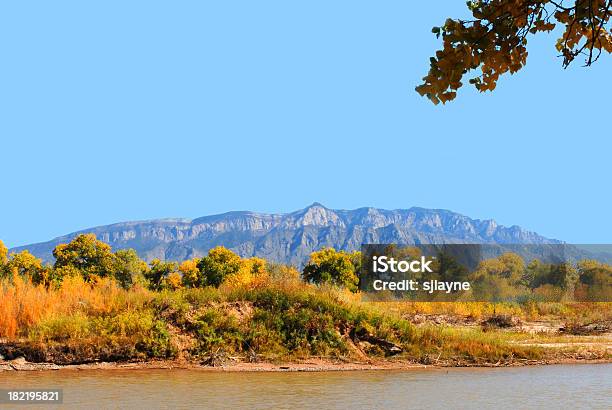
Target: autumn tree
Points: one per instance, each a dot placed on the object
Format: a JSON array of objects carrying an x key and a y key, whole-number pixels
[
  {"x": 129, "y": 268},
  {"x": 595, "y": 280},
  {"x": 564, "y": 275},
  {"x": 553, "y": 281},
  {"x": 535, "y": 273},
  {"x": 217, "y": 265},
  {"x": 24, "y": 264},
  {"x": 252, "y": 271},
  {"x": 159, "y": 272},
  {"x": 283, "y": 272},
  {"x": 29, "y": 267},
  {"x": 448, "y": 268},
  {"x": 508, "y": 266},
  {"x": 3, "y": 254},
  {"x": 91, "y": 257},
  {"x": 494, "y": 40},
  {"x": 255, "y": 265},
  {"x": 498, "y": 278},
  {"x": 356, "y": 258},
  {"x": 189, "y": 273},
  {"x": 594, "y": 272},
  {"x": 331, "y": 266},
  {"x": 172, "y": 281}
]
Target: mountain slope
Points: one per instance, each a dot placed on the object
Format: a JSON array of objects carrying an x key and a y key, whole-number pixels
[{"x": 291, "y": 237}]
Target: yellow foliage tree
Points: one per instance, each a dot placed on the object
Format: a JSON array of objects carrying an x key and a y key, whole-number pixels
[
  {"x": 498, "y": 278},
  {"x": 495, "y": 40},
  {"x": 217, "y": 265},
  {"x": 508, "y": 266},
  {"x": 331, "y": 266},
  {"x": 284, "y": 273},
  {"x": 256, "y": 265},
  {"x": 128, "y": 268},
  {"x": 595, "y": 280},
  {"x": 93, "y": 258},
  {"x": 189, "y": 271},
  {"x": 251, "y": 271},
  {"x": 24, "y": 264},
  {"x": 173, "y": 281},
  {"x": 3, "y": 254},
  {"x": 159, "y": 272}
]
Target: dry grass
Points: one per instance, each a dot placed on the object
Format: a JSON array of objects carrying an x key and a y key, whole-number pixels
[
  {"x": 571, "y": 311},
  {"x": 24, "y": 305}
]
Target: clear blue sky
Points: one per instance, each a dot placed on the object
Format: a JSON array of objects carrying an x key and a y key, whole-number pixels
[{"x": 114, "y": 111}]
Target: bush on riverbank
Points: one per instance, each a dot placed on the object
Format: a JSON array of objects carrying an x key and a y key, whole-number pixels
[{"x": 281, "y": 318}]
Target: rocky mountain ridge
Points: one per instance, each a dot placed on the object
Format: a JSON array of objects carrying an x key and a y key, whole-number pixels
[{"x": 291, "y": 237}]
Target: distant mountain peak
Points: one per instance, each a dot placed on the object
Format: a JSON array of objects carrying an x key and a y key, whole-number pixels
[
  {"x": 291, "y": 237},
  {"x": 316, "y": 205},
  {"x": 315, "y": 215}
]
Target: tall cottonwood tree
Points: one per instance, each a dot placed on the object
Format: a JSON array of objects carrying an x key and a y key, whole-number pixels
[
  {"x": 495, "y": 40},
  {"x": 335, "y": 267},
  {"x": 91, "y": 257}
]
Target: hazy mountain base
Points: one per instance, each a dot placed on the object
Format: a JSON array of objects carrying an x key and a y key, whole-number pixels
[{"x": 264, "y": 324}]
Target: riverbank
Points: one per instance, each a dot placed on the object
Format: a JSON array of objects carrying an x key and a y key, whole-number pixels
[
  {"x": 308, "y": 365},
  {"x": 286, "y": 321},
  {"x": 598, "y": 353},
  {"x": 316, "y": 365}
]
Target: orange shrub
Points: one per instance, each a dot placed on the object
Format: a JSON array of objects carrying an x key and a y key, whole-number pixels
[{"x": 24, "y": 305}]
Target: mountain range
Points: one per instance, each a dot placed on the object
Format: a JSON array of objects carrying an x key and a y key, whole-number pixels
[{"x": 291, "y": 237}]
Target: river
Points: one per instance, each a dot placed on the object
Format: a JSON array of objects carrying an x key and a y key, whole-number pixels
[{"x": 558, "y": 386}]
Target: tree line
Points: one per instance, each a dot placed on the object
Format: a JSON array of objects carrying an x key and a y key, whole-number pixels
[{"x": 91, "y": 259}]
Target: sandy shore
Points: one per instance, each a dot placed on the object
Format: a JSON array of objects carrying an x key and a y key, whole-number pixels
[{"x": 314, "y": 365}]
